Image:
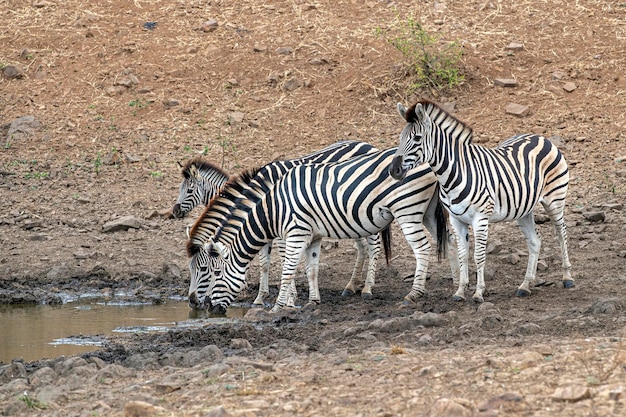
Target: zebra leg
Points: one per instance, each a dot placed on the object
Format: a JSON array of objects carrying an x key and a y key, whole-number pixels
[
  {"x": 556, "y": 215},
  {"x": 264, "y": 262},
  {"x": 357, "y": 271},
  {"x": 481, "y": 228},
  {"x": 430, "y": 221},
  {"x": 419, "y": 243},
  {"x": 294, "y": 249},
  {"x": 461, "y": 236},
  {"x": 373, "y": 251},
  {"x": 527, "y": 225},
  {"x": 312, "y": 267}
]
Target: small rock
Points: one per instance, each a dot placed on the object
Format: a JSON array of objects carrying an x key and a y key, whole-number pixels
[
  {"x": 115, "y": 90},
  {"x": 292, "y": 84},
  {"x": 143, "y": 409},
  {"x": 509, "y": 402},
  {"x": 13, "y": 72},
  {"x": 542, "y": 265},
  {"x": 218, "y": 411},
  {"x": 558, "y": 75},
  {"x": 240, "y": 344},
  {"x": 22, "y": 127},
  {"x": 569, "y": 87},
  {"x": 594, "y": 216},
  {"x": 209, "y": 26},
  {"x": 236, "y": 117},
  {"x": 428, "y": 319},
  {"x": 514, "y": 47},
  {"x": 517, "y": 110},
  {"x": 445, "y": 407},
  {"x": 123, "y": 223},
  {"x": 12, "y": 371},
  {"x": 505, "y": 82},
  {"x": 172, "y": 102},
  {"x": 571, "y": 393},
  {"x": 259, "y": 48},
  {"x": 284, "y": 50},
  {"x": 512, "y": 258}
]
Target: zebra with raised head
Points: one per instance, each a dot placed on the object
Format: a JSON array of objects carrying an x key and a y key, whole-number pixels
[
  {"x": 202, "y": 181},
  {"x": 350, "y": 199},
  {"x": 480, "y": 185}
]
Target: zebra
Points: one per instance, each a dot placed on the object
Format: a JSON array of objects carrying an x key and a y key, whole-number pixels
[
  {"x": 202, "y": 181},
  {"x": 348, "y": 199},
  {"x": 480, "y": 185}
]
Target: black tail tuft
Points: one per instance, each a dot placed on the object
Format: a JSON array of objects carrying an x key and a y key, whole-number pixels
[
  {"x": 442, "y": 231},
  {"x": 385, "y": 235}
]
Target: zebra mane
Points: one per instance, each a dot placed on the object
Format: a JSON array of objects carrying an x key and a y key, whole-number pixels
[
  {"x": 237, "y": 191},
  {"x": 203, "y": 165},
  {"x": 439, "y": 114}
]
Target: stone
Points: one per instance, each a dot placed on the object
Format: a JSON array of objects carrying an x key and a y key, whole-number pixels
[
  {"x": 513, "y": 46},
  {"x": 123, "y": 223},
  {"x": 22, "y": 127},
  {"x": 13, "y": 72},
  {"x": 237, "y": 343},
  {"x": 569, "y": 87},
  {"x": 143, "y": 409},
  {"x": 517, "y": 109},
  {"x": 428, "y": 319},
  {"x": 115, "y": 90},
  {"x": 594, "y": 216},
  {"x": 43, "y": 376},
  {"x": 505, "y": 82},
  {"x": 218, "y": 411},
  {"x": 284, "y": 50},
  {"x": 445, "y": 407},
  {"x": 571, "y": 393},
  {"x": 508, "y": 402},
  {"x": 292, "y": 84},
  {"x": 259, "y": 48},
  {"x": 209, "y": 25},
  {"x": 12, "y": 371},
  {"x": 236, "y": 117}
]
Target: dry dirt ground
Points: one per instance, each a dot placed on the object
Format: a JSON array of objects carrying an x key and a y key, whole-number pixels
[{"x": 116, "y": 104}]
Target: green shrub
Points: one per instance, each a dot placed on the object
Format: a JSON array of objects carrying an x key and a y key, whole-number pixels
[{"x": 436, "y": 63}]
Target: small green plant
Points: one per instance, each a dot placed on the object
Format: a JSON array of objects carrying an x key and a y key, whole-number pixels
[
  {"x": 436, "y": 63},
  {"x": 36, "y": 175},
  {"x": 97, "y": 163},
  {"x": 187, "y": 149},
  {"x": 226, "y": 146},
  {"x": 138, "y": 104},
  {"x": 156, "y": 174},
  {"x": 32, "y": 402},
  {"x": 205, "y": 151}
]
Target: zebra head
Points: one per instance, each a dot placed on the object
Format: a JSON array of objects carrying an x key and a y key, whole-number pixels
[
  {"x": 191, "y": 192},
  {"x": 214, "y": 282},
  {"x": 411, "y": 150}
]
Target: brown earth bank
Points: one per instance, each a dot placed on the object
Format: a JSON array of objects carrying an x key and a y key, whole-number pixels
[{"x": 100, "y": 101}]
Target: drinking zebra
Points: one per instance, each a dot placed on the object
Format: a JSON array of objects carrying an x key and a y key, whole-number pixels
[
  {"x": 479, "y": 185},
  {"x": 202, "y": 181},
  {"x": 350, "y": 199}
]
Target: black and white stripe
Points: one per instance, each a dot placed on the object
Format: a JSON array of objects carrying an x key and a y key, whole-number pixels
[
  {"x": 202, "y": 181},
  {"x": 480, "y": 185},
  {"x": 351, "y": 199}
]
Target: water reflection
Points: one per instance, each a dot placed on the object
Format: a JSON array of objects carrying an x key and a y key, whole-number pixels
[{"x": 46, "y": 331}]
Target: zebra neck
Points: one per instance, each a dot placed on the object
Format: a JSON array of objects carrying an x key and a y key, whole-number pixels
[
  {"x": 245, "y": 233},
  {"x": 451, "y": 156}
]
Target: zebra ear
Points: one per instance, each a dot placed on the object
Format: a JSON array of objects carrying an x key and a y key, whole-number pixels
[
  {"x": 222, "y": 249},
  {"x": 402, "y": 110},
  {"x": 422, "y": 117},
  {"x": 193, "y": 171}
]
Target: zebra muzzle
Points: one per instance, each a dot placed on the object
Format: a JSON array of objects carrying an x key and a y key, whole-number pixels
[{"x": 396, "y": 170}]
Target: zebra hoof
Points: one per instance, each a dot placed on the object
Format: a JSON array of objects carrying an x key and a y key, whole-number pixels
[
  {"x": 347, "y": 293},
  {"x": 523, "y": 293},
  {"x": 569, "y": 283},
  {"x": 458, "y": 298},
  {"x": 478, "y": 300},
  {"x": 367, "y": 295}
]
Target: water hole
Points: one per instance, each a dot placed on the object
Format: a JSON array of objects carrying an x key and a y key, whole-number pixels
[{"x": 34, "y": 332}]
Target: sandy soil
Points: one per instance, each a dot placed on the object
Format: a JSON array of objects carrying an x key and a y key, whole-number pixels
[{"x": 116, "y": 104}]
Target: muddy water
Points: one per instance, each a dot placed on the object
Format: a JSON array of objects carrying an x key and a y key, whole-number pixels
[{"x": 44, "y": 331}]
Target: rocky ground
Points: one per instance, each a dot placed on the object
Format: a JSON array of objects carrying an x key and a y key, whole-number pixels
[{"x": 99, "y": 103}]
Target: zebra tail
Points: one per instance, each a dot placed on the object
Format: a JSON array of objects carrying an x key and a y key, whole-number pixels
[
  {"x": 442, "y": 231},
  {"x": 385, "y": 235}
]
